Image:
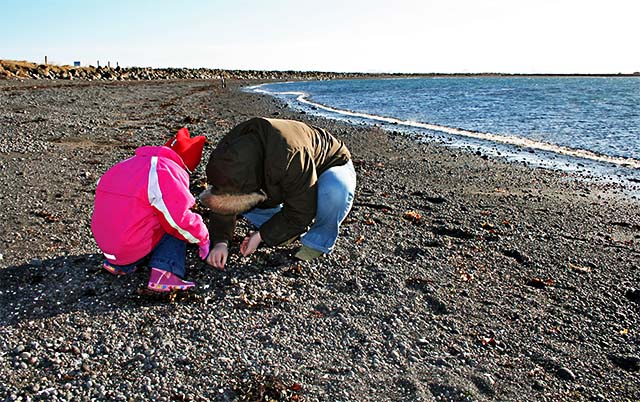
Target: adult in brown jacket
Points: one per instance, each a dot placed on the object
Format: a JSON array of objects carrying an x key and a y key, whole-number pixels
[{"x": 287, "y": 178}]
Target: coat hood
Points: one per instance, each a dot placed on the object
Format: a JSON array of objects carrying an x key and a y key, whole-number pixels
[
  {"x": 236, "y": 166},
  {"x": 230, "y": 204}
]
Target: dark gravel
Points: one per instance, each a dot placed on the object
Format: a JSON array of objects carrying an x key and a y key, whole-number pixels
[{"x": 456, "y": 277}]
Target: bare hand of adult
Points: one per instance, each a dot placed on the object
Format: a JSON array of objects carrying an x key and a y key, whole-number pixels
[
  {"x": 218, "y": 256},
  {"x": 250, "y": 243}
]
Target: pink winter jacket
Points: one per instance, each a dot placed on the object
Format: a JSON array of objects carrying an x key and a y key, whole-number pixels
[{"x": 139, "y": 200}]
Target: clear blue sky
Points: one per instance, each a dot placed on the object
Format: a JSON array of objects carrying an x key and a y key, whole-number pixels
[{"x": 512, "y": 36}]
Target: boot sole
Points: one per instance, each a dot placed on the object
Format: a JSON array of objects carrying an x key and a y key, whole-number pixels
[{"x": 167, "y": 288}]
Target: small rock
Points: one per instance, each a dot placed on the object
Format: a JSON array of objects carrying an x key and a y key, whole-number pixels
[
  {"x": 630, "y": 363},
  {"x": 539, "y": 385},
  {"x": 440, "y": 362},
  {"x": 633, "y": 294},
  {"x": 490, "y": 379},
  {"x": 566, "y": 374},
  {"x": 423, "y": 341},
  {"x": 517, "y": 255}
]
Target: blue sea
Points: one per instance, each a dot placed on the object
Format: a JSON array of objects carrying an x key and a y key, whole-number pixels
[{"x": 586, "y": 125}]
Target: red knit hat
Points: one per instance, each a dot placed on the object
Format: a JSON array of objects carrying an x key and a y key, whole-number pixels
[{"x": 189, "y": 149}]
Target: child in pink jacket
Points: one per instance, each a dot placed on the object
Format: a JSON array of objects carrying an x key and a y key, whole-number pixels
[{"x": 142, "y": 209}]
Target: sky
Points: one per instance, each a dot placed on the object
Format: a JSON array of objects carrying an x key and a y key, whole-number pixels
[{"x": 398, "y": 36}]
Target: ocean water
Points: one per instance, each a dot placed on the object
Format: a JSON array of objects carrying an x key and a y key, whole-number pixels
[{"x": 588, "y": 125}]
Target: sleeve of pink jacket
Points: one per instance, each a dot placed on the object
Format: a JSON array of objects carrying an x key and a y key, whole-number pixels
[{"x": 169, "y": 194}]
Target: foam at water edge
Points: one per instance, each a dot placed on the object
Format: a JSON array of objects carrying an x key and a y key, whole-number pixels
[{"x": 503, "y": 139}]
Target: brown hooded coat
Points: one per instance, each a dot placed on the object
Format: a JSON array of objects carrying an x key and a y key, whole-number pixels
[{"x": 266, "y": 162}]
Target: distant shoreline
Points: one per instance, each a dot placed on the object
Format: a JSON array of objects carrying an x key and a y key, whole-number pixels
[{"x": 11, "y": 69}]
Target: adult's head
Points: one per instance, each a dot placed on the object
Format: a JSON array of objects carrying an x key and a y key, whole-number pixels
[
  {"x": 236, "y": 172},
  {"x": 187, "y": 147}
]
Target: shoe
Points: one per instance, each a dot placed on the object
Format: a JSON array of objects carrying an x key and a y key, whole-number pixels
[
  {"x": 115, "y": 271},
  {"x": 307, "y": 253},
  {"x": 165, "y": 281}
]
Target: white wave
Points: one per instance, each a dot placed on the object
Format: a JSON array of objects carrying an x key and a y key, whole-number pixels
[{"x": 302, "y": 97}]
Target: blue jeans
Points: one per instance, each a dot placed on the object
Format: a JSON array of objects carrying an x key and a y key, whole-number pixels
[
  {"x": 168, "y": 255},
  {"x": 336, "y": 188}
]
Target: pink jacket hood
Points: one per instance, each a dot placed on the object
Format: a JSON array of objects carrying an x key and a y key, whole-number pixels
[{"x": 140, "y": 199}]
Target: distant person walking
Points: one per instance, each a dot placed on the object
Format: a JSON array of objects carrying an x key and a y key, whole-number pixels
[
  {"x": 287, "y": 178},
  {"x": 142, "y": 211}
]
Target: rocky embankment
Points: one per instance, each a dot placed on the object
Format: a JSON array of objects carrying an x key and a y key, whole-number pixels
[
  {"x": 10, "y": 69},
  {"x": 25, "y": 70}
]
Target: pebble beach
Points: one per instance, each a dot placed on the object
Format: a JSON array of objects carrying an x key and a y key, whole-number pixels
[{"x": 456, "y": 277}]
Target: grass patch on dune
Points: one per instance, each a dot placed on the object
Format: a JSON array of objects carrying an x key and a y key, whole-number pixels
[{"x": 25, "y": 69}]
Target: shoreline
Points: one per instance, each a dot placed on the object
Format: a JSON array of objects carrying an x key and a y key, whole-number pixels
[
  {"x": 455, "y": 277},
  {"x": 583, "y": 164}
]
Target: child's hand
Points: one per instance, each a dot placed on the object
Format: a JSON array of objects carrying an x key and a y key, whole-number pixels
[
  {"x": 218, "y": 257},
  {"x": 250, "y": 243},
  {"x": 204, "y": 250}
]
